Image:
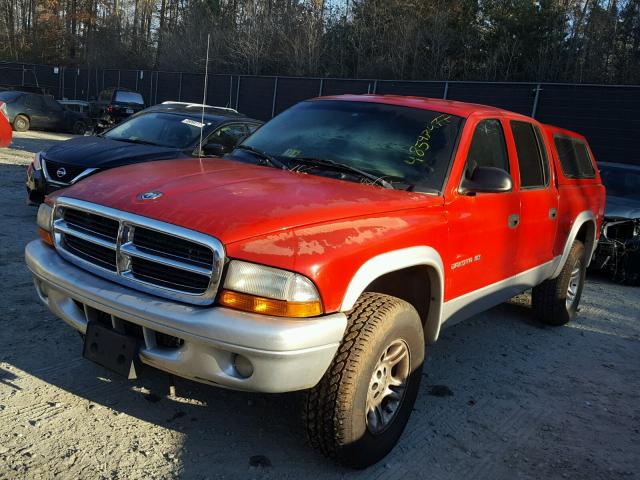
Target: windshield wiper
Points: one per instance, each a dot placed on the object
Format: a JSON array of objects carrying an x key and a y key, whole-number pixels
[
  {"x": 376, "y": 179},
  {"x": 265, "y": 156},
  {"x": 137, "y": 140}
]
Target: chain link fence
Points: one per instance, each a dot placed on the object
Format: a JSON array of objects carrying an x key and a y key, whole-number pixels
[{"x": 605, "y": 114}]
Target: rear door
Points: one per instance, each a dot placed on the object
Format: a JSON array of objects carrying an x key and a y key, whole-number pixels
[
  {"x": 538, "y": 197},
  {"x": 36, "y": 110}
]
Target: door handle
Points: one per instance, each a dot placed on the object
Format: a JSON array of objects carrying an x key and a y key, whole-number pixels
[
  {"x": 514, "y": 220},
  {"x": 553, "y": 213}
]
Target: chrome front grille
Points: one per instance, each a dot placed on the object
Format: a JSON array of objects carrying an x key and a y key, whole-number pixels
[
  {"x": 62, "y": 174},
  {"x": 139, "y": 252}
]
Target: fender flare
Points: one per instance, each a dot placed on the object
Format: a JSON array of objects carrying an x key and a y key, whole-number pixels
[
  {"x": 395, "y": 260},
  {"x": 581, "y": 219}
]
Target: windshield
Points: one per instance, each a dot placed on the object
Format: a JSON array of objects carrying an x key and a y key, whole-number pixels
[
  {"x": 621, "y": 182},
  {"x": 388, "y": 141},
  {"x": 164, "y": 129},
  {"x": 128, "y": 97},
  {"x": 9, "y": 97}
]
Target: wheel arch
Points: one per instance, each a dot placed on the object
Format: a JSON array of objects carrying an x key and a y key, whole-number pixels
[
  {"x": 583, "y": 229},
  {"x": 414, "y": 274}
]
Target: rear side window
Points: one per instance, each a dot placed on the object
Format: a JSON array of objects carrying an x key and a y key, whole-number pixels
[
  {"x": 574, "y": 157},
  {"x": 488, "y": 147},
  {"x": 532, "y": 158},
  {"x": 128, "y": 97}
]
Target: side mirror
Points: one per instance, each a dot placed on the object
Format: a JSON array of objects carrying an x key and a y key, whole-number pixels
[
  {"x": 214, "y": 149},
  {"x": 486, "y": 180}
]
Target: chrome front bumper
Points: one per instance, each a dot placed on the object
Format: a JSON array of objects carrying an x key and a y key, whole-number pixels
[{"x": 286, "y": 354}]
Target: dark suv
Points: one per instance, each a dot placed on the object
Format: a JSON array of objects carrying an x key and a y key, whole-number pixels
[
  {"x": 114, "y": 105},
  {"x": 41, "y": 112},
  {"x": 166, "y": 131}
]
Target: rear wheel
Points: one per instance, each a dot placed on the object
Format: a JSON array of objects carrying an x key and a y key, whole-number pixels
[
  {"x": 555, "y": 301},
  {"x": 21, "y": 123},
  {"x": 359, "y": 409}
]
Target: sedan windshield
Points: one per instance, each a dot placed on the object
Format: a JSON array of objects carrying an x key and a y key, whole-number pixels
[
  {"x": 164, "y": 129},
  {"x": 399, "y": 145},
  {"x": 621, "y": 182}
]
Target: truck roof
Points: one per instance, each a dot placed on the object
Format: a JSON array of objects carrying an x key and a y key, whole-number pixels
[{"x": 453, "y": 107}]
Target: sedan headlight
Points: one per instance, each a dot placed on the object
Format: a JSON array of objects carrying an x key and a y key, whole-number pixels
[
  {"x": 270, "y": 291},
  {"x": 44, "y": 220}
]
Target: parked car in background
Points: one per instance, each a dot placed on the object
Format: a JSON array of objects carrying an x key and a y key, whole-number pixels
[
  {"x": 114, "y": 105},
  {"x": 5, "y": 126},
  {"x": 41, "y": 112},
  {"x": 321, "y": 255},
  {"x": 79, "y": 106},
  {"x": 169, "y": 130},
  {"x": 618, "y": 252}
]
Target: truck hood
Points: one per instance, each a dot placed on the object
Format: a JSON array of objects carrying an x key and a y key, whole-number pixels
[
  {"x": 98, "y": 152},
  {"x": 619, "y": 207},
  {"x": 233, "y": 201}
]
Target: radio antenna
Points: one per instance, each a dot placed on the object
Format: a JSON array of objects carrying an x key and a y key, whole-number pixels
[{"x": 204, "y": 94}]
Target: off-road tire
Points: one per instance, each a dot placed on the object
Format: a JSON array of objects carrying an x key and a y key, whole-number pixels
[
  {"x": 334, "y": 411},
  {"x": 21, "y": 123},
  {"x": 549, "y": 299}
]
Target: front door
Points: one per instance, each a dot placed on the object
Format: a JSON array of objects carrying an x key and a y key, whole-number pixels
[{"x": 483, "y": 226}]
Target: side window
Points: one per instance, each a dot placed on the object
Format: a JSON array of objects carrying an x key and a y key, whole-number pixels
[
  {"x": 534, "y": 171},
  {"x": 228, "y": 136},
  {"x": 488, "y": 147},
  {"x": 574, "y": 157},
  {"x": 34, "y": 101}
]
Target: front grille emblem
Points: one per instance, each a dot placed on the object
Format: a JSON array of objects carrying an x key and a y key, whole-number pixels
[
  {"x": 149, "y": 195},
  {"x": 61, "y": 172}
]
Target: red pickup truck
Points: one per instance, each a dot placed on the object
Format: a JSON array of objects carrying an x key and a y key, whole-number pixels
[{"x": 324, "y": 253}]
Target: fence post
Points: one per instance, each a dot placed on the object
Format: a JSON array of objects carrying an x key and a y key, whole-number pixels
[
  {"x": 157, "y": 81},
  {"x": 23, "y": 74},
  {"x": 119, "y": 72},
  {"x": 275, "y": 94},
  {"x": 321, "y": 86},
  {"x": 180, "y": 88},
  {"x": 88, "y": 82},
  {"x": 238, "y": 92},
  {"x": 230, "y": 90},
  {"x": 535, "y": 101},
  {"x": 446, "y": 90},
  {"x": 375, "y": 87}
]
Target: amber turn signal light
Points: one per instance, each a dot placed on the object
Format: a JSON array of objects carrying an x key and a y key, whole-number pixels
[
  {"x": 45, "y": 236},
  {"x": 269, "y": 306}
]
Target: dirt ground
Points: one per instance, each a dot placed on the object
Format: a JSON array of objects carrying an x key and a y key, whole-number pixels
[{"x": 522, "y": 400}]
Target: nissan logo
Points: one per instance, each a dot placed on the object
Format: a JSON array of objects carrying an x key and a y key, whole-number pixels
[
  {"x": 150, "y": 195},
  {"x": 61, "y": 172}
]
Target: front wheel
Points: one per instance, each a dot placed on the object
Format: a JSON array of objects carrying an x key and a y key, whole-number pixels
[
  {"x": 555, "y": 301},
  {"x": 359, "y": 409}
]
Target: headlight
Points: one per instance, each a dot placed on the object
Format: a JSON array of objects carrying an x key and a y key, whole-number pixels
[
  {"x": 37, "y": 161},
  {"x": 45, "y": 213},
  {"x": 270, "y": 291}
]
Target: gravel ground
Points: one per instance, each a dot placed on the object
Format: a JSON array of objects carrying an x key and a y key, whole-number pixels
[{"x": 502, "y": 396}]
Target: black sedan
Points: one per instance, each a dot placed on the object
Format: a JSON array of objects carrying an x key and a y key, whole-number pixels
[
  {"x": 166, "y": 131},
  {"x": 41, "y": 112}
]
